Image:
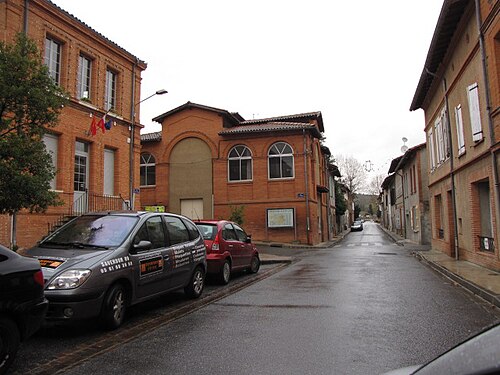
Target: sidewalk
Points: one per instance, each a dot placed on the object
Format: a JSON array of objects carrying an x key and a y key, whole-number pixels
[{"x": 481, "y": 281}]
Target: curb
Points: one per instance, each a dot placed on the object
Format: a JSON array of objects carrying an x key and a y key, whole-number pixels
[{"x": 471, "y": 287}]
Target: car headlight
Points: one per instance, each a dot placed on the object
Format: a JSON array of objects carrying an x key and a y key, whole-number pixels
[{"x": 69, "y": 279}]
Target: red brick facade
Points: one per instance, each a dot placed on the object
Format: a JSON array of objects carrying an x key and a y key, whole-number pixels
[
  {"x": 75, "y": 39},
  {"x": 203, "y": 176}
]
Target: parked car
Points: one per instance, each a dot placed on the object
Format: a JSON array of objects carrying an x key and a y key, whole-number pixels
[
  {"x": 22, "y": 302},
  {"x": 98, "y": 264},
  {"x": 357, "y": 225},
  {"x": 229, "y": 249},
  {"x": 477, "y": 355}
]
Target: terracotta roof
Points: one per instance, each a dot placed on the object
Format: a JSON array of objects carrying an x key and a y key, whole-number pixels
[
  {"x": 271, "y": 127},
  {"x": 140, "y": 62},
  {"x": 151, "y": 137},
  {"x": 301, "y": 116},
  {"x": 449, "y": 18}
]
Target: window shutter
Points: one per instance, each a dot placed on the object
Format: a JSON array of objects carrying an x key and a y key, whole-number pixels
[
  {"x": 475, "y": 114},
  {"x": 460, "y": 129}
]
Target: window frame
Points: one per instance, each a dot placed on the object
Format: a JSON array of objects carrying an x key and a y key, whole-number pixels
[
  {"x": 53, "y": 62},
  {"x": 110, "y": 91},
  {"x": 475, "y": 112},
  {"x": 239, "y": 159},
  {"x": 84, "y": 77},
  {"x": 281, "y": 155},
  {"x": 146, "y": 166}
]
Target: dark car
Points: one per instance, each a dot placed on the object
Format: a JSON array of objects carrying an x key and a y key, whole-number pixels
[
  {"x": 477, "y": 355},
  {"x": 229, "y": 249},
  {"x": 357, "y": 225},
  {"x": 98, "y": 264},
  {"x": 22, "y": 302}
]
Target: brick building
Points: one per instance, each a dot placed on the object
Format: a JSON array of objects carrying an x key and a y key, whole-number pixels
[
  {"x": 459, "y": 92},
  {"x": 94, "y": 171},
  {"x": 206, "y": 162}
]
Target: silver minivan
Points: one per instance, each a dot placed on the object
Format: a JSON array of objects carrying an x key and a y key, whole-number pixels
[{"x": 98, "y": 264}]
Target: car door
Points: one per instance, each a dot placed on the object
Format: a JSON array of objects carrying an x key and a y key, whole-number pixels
[
  {"x": 245, "y": 246},
  {"x": 180, "y": 258},
  {"x": 232, "y": 244},
  {"x": 150, "y": 274}
]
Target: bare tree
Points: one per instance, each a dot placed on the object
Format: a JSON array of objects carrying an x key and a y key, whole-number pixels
[
  {"x": 353, "y": 173},
  {"x": 374, "y": 187}
]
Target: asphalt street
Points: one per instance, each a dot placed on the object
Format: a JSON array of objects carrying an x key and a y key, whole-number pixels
[{"x": 363, "y": 306}]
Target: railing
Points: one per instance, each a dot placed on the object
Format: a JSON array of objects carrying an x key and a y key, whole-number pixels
[
  {"x": 486, "y": 244},
  {"x": 87, "y": 202}
]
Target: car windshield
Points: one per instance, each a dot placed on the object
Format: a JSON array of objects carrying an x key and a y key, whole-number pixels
[
  {"x": 207, "y": 230},
  {"x": 94, "y": 231}
]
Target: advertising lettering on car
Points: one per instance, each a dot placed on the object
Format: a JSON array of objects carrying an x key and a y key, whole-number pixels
[
  {"x": 151, "y": 266},
  {"x": 115, "y": 264}
]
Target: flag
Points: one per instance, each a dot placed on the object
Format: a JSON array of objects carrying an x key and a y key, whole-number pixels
[
  {"x": 108, "y": 124},
  {"x": 93, "y": 127},
  {"x": 100, "y": 124}
]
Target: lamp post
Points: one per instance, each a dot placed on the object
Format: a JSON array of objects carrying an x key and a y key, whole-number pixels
[{"x": 132, "y": 134}]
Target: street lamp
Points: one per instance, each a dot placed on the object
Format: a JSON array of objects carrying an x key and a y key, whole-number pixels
[{"x": 132, "y": 133}]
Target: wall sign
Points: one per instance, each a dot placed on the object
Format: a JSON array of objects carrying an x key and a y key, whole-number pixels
[{"x": 280, "y": 217}]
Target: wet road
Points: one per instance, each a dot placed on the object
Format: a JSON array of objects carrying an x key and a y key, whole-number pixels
[{"x": 364, "y": 306}]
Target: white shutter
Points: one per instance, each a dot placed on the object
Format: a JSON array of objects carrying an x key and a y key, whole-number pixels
[
  {"x": 460, "y": 129},
  {"x": 432, "y": 158},
  {"x": 474, "y": 111},
  {"x": 439, "y": 139},
  {"x": 51, "y": 147},
  {"x": 109, "y": 172}
]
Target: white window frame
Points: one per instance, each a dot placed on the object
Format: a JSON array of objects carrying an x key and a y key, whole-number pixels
[
  {"x": 432, "y": 156},
  {"x": 53, "y": 58},
  {"x": 83, "y": 83},
  {"x": 460, "y": 129},
  {"x": 147, "y": 164},
  {"x": 110, "y": 91},
  {"x": 239, "y": 158},
  {"x": 280, "y": 156},
  {"x": 475, "y": 112},
  {"x": 51, "y": 145}
]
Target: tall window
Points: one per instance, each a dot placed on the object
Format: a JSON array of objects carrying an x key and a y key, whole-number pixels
[
  {"x": 51, "y": 143},
  {"x": 83, "y": 83},
  {"x": 53, "y": 58},
  {"x": 148, "y": 170},
  {"x": 240, "y": 164},
  {"x": 432, "y": 153},
  {"x": 485, "y": 218},
  {"x": 110, "y": 95},
  {"x": 280, "y": 159},
  {"x": 475, "y": 114}
]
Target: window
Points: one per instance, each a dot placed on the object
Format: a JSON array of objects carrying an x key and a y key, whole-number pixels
[
  {"x": 110, "y": 94},
  {"x": 53, "y": 59},
  {"x": 460, "y": 129},
  {"x": 152, "y": 231},
  {"x": 242, "y": 236},
  {"x": 442, "y": 139},
  {"x": 51, "y": 142},
  {"x": 240, "y": 164},
  {"x": 474, "y": 112},
  {"x": 83, "y": 79},
  {"x": 109, "y": 172},
  {"x": 432, "y": 154},
  {"x": 439, "y": 216},
  {"x": 414, "y": 218},
  {"x": 192, "y": 230},
  {"x": 228, "y": 233},
  {"x": 177, "y": 231},
  {"x": 280, "y": 161},
  {"x": 148, "y": 170},
  {"x": 485, "y": 218}
]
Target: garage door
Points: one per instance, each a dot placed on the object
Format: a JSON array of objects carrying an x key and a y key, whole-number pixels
[{"x": 192, "y": 208}]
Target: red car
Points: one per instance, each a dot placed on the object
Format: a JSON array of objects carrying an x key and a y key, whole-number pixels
[{"x": 229, "y": 248}]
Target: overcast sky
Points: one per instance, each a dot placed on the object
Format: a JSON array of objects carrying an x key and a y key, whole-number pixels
[{"x": 358, "y": 62}]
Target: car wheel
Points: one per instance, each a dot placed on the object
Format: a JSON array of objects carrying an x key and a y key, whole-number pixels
[
  {"x": 9, "y": 343},
  {"x": 225, "y": 273},
  {"x": 255, "y": 264},
  {"x": 114, "y": 307},
  {"x": 196, "y": 284}
]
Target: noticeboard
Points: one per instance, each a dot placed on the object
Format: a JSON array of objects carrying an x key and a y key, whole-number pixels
[{"x": 280, "y": 217}]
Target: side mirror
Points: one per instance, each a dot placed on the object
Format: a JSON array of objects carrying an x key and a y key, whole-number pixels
[
  {"x": 141, "y": 246},
  {"x": 249, "y": 238}
]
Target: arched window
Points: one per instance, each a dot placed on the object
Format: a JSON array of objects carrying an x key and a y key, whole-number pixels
[
  {"x": 148, "y": 170},
  {"x": 240, "y": 164},
  {"x": 280, "y": 158}
]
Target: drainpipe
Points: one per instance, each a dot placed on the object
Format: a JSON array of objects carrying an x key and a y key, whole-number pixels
[
  {"x": 132, "y": 135},
  {"x": 494, "y": 162},
  {"x": 307, "y": 186},
  {"x": 26, "y": 12}
]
